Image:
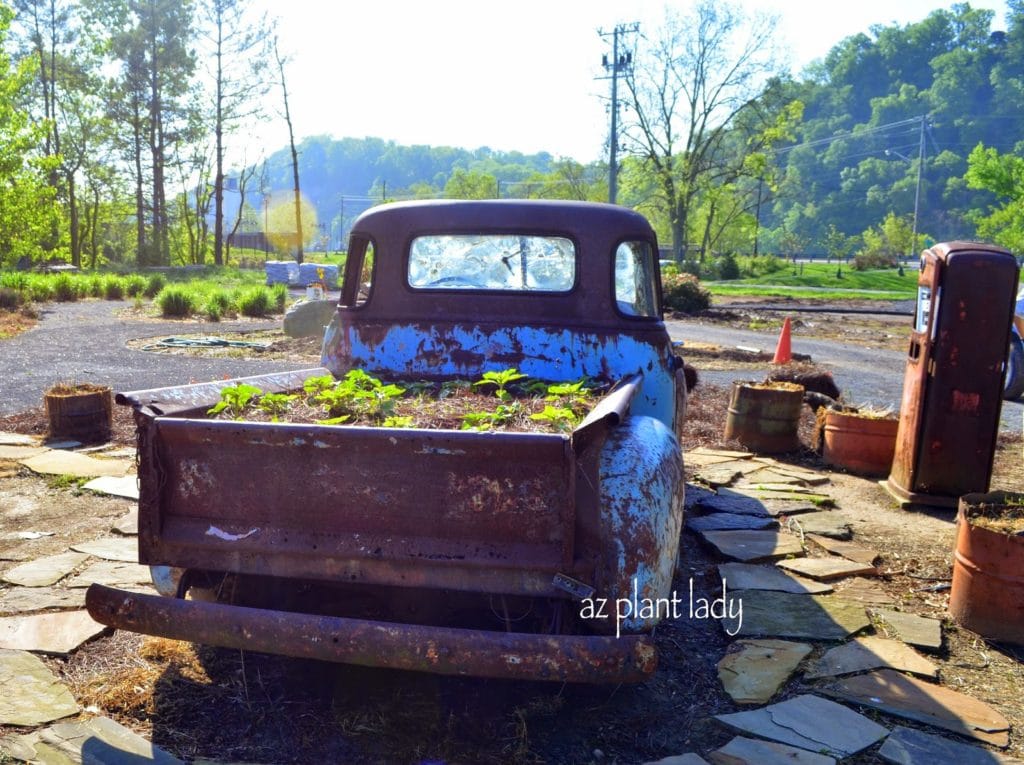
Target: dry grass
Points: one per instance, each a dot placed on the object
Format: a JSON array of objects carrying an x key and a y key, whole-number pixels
[{"x": 16, "y": 322}]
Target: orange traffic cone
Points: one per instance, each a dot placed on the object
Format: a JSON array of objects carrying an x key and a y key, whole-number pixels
[{"x": 784, "y": 350}]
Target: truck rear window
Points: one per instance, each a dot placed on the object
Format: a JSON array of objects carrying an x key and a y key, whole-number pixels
[{"x": 492, "y": 262}]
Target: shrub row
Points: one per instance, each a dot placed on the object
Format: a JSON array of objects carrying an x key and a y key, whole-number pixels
[{"x": 173, "y": 300}]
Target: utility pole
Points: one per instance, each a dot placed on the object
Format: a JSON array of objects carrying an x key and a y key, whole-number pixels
[
  {"x": 621, "y": 62},
  {"x": 917, "y": 190}
]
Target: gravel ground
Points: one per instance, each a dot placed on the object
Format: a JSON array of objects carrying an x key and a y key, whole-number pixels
[{"x": 85, "y": 342}]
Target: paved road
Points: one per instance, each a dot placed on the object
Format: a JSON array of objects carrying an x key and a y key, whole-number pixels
[
  {"x": 866, "y": 376},
  {"x": 85, "y": 342}
]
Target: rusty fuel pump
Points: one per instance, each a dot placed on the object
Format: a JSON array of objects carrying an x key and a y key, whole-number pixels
[{"x": 953, "y": 383}]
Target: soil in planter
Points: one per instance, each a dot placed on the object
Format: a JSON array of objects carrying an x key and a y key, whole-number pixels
[
  {"x": 822, "y": 412},
  {"x": 1003, "y": 518}
]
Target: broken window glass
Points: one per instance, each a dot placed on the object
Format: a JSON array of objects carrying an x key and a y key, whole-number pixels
[{"x": 492, "y": 262}]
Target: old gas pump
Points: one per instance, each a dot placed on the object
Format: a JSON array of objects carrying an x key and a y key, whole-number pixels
[{"x": 953, "y": 383}]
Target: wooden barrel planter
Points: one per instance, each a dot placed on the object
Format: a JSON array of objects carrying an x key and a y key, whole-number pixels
[
  {"x": 83, "y": 412},
  {"x": 764, "y": 417},
  {"x": 860, "y": 443},
  {"x": 987, "y": 594}
]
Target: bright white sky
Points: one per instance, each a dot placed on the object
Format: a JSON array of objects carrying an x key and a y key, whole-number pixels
[{"x": 517, "y": 75}]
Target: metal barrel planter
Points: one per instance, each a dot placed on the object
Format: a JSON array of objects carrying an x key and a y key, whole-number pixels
[
  {"x": 987, "y": 594},
  {"x": 859, "y": 443},
  {"x": 82, "y": 412},
  {"x": 764, "y": 417}
]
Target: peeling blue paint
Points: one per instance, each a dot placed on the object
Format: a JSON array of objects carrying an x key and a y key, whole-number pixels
[
  {"x": 642, "y": 484},
  {"x": 410, "y": 350}
]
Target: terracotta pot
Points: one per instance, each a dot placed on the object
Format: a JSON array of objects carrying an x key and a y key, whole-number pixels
[
  {"x": 860, "y": 444},
  {"x": 987, "y": 594},
  {"x": 764, "y": 418},
  {"x": 82, "y": 412}
]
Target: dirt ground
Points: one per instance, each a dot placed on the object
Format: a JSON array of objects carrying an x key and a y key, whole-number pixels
[{"x": 233, "y": 706}]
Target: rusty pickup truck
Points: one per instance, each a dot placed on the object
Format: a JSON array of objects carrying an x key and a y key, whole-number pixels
[{"x": 496, "y": 554}]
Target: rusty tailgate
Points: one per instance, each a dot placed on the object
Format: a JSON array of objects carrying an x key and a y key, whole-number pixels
[{"x": 479, "y": 511}]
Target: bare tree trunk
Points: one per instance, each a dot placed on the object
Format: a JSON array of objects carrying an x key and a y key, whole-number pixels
[
  {"x": 295, "y": 158},
  {"x": 218, "y": 132}
]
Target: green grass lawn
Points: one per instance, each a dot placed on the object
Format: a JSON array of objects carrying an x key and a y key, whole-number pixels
[{"x": 820, "y": 280}]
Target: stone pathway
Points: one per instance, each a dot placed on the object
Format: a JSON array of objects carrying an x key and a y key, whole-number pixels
[
  {"x": 799, "y": 592},
  {"x": 794, "y": 570},
  {"x": 42, "y": 613}
]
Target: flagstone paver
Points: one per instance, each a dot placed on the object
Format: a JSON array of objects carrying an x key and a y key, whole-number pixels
[
  {"x": 675, "y": 759},
  {"x": 798, "y": 722},
  {"x": 750, "y": 751},
  {"x": 112, "y": 574},
  {"x": 57, "y": 462},
  {"x": 849, "y": 550},
  {"x": 18, "y": 439},
  {"x": 32, "y": 695},
  {"x": 125, "y": 549},
  {"x": 124, "y": 486},
  {"x": 825, "y": 569},
  {"x": 827, "y": 523},
  {"x": 864, "y": 591},
  {"x": 724, "y": 521},
  {"x": 19, "y": 600},
  {"x": 897, "y": 694},
  {"x": 102, "y": 741},
  {"x": 911, "y": 628},
  {"x": 751, "y": 546},
  {"x": 128, "y": 525},
  {"x": 43, "y": 572},
  {"x": 18, "y": 453},
  {"x": 907, "y": 746},
  {"x": 866, "y": 653},
  {"x": 753, "y": 670},
  {"x": 57, "y": 633},
  {"x": 782, "y": 614},
  {"x": 751, "y": 576},
  {"x": 728, "y": 501}
]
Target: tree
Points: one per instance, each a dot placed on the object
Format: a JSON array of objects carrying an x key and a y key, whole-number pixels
[
  {"x": 686, "y": 92},
  {"x": 467, "y": 184},
  {"x": 27, "y": 211},
  {"x": 152, "y": 42},
  {"x": 64, "y": 100},
  {"x": 1003, "y": 176},
  {"x": 295, "y": 155},
  {"x": 239, "y": 51}
]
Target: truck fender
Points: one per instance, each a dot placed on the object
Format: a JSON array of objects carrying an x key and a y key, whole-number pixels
[{"x": 641, "y": 493}]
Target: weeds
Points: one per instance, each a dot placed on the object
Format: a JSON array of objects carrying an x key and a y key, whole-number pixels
[
  {"x": 501, "y": 414},
  {"x": 276, "y": 404},
  {"x": 235, "y": 399},
  {"x": 501, "y": 380}
]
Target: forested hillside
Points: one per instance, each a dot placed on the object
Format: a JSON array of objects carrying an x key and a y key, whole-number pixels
[{"x": 878, "y": 104}]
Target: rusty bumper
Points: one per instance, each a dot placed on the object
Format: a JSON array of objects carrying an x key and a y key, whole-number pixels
[{"x": 441, "y": 650}]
